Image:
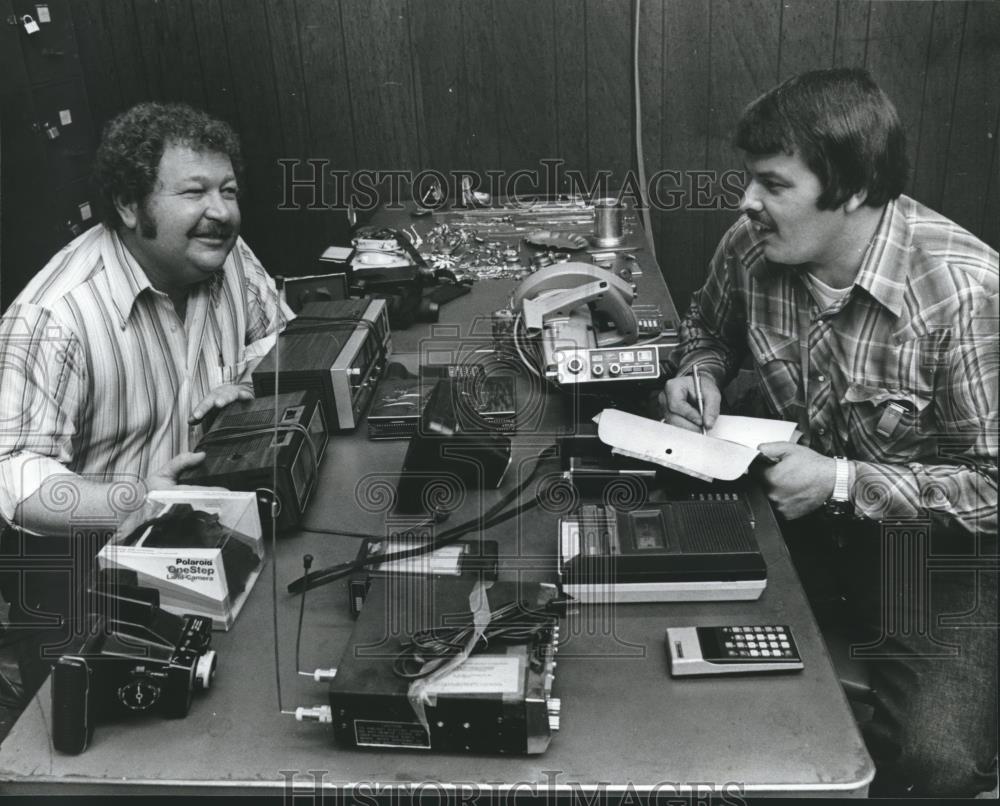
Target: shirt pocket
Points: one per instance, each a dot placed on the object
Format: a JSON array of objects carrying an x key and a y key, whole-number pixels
[
  {"x": 776, "y": 358},
  {"x": 223, "y": 374},
  {"x": 891, "y": 425}
]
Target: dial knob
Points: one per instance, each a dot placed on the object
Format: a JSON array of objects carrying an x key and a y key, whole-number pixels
[{"x": 139, "y": 694}]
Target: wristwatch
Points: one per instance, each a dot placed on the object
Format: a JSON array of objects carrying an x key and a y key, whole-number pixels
[{"x": 839, "y": 502}]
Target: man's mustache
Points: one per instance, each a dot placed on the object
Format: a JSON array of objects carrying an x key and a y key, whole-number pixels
[{"x": 212, "y": 231}]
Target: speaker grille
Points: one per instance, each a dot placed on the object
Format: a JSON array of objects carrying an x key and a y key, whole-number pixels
[
  {"x": 247, "y": 419},
  {"x": 712, "y": 526}
]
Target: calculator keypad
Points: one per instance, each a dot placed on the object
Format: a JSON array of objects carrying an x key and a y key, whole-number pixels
[{"x": 772, "y": 642}]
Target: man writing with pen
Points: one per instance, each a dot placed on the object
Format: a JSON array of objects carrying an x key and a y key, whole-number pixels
[
  {"x": 871, "y": 321},
  {"x": 117, "y": 349}
]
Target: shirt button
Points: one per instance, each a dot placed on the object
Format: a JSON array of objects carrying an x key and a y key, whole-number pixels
[
  {"x": 821, "y": 378},
  {"x": 821, "y": 431}
]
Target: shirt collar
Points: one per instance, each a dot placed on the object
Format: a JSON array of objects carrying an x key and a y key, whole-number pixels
[
  {"x": 883, "y": 267},
  {"x": 127, "y": 279}
]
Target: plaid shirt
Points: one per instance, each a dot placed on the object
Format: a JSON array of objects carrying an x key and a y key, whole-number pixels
[
  {"x": 902, "y": 371},
  {"x": 98, "y": 375}
]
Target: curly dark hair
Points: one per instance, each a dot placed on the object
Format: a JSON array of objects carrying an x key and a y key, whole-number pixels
[
  {"x": 843, "y": 125},
  {"x": 132, "y": 144}
]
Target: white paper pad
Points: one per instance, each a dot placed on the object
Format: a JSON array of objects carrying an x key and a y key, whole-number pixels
[
  {"x": 752, "y": 431},
  {"x": 702, "y": 456}
]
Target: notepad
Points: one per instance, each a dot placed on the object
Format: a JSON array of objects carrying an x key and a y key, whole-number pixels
[{"x": 724, "y": 453}]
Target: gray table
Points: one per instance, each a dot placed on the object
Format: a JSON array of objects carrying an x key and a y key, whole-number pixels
[{"x": 625, "y": 722}]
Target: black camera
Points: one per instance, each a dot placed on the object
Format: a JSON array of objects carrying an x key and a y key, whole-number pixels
[{"x": 138, "y": 658}]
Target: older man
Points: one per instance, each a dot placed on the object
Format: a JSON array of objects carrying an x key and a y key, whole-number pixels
[
  {"x": 124, "y": 341},
  {"x": 872, "y": 322}
]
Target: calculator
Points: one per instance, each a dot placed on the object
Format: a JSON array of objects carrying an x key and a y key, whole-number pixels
[{"x": 731, "y": 649}]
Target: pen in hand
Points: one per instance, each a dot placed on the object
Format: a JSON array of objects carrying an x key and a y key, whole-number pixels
[{"x": 700, "y": 399}]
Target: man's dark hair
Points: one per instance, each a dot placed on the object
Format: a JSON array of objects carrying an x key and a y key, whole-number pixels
[
  {"x": 844, "y": 127},
  {"x": 133, "y": 142}
]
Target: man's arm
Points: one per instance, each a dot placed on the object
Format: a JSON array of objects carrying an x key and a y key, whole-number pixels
[
  {"x": 62, "y": 495},
  {"x": 42, "y": 374},
  {"x": 962, "y": 488},
  {"x": 713, "y": 337},
  {"x": 713, "y": 333}
]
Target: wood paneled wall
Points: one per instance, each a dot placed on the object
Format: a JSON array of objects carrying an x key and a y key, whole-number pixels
[{"x": 503, "y": 84}]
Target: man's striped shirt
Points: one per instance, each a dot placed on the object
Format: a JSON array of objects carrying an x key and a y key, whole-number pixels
[{"x": 99, "y": 375}]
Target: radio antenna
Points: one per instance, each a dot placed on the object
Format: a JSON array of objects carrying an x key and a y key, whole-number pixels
[{"x": 279, "y": 284}]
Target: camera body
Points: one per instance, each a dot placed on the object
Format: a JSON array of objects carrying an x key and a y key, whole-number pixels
[{"x": 137, "y": 659}]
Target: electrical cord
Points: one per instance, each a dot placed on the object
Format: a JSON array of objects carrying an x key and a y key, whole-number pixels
[
  {"x": 360, "y": 535},
  {"x": 279, "y": 283},
  {"x": 492, "y": 517},
  {"x": 514, "y": 622},
  {"x": 517, "y": 346},
  {"x": 639, "y": 154},
  {"x": 334, "y": 573},
  {"x": 307, "y": 561}
]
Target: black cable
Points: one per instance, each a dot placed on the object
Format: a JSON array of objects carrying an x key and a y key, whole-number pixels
[
  {"x": 336, "y": 572},
  {"x": 280, "y": 287},
  {"x": 315, "y": 530},
  {"x": 428, "y": 650},
  {"x": 371, "y": 536},
  {"x": 492, "y": 516},
  {"x": 404, "y": 241},
  {"x": 307, "y": 561},
  {"x": 339, "y": 533}
]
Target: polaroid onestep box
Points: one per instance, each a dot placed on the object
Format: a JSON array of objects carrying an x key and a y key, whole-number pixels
[{"x": 191, "y": 580}]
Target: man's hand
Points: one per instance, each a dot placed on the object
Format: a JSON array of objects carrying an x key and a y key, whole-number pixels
[
  {"x": 219, "y": 397},
  {"x": 798, "y": 480},
  {"x": 166, "y": 477},
  {"x": 681, "y": 403}
]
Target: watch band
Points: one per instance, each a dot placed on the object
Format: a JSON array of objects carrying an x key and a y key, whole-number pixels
[{"x": 842, "y": 480}]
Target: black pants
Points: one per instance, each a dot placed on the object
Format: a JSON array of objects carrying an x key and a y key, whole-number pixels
[{"x": 919, "y": 602}]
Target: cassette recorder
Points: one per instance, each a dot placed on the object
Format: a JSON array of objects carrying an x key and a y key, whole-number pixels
[
  {"x": 642, "y": 550},
  {"x": 250, "y": 437},
  {"x": 337, "y": 349}
]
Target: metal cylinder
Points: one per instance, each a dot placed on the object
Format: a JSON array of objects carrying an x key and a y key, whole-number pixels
[{"x": 608, "y": 229}]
